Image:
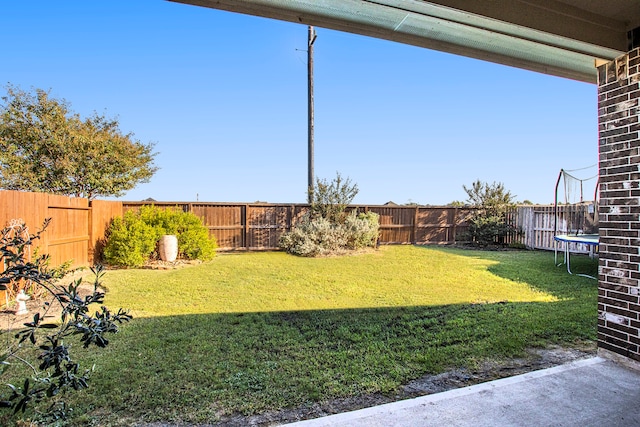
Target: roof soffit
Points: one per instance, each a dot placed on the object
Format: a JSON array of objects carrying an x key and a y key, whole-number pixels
[{"x": 547, "y": 36}]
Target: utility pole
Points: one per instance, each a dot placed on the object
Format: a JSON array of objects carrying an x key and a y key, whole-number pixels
[{"x": 312, "y": 39}]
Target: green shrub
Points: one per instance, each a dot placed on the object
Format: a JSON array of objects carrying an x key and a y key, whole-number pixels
[
  {"x": 318, "y": 236},
  {"x": 362, "y": 230},
  {"x": 328, "y": 227},
  {"x": 517, "y": 245},
  {"x": 163, "y": 221},
  {"x": 313, "y": 237},
  {"x": 193, "y": 239},
  {"x": 131, "y": 240},
  {"x": 487, "y": 230},
  {"x": 488, "y": 224},
  {"x": 329, "y": 200}
]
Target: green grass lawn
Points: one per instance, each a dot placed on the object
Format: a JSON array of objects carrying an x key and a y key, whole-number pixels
[{"x": 254, "y": 332}]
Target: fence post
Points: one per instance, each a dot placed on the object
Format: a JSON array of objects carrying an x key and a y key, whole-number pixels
[
  {"x": 414, "y": 232},
  {"x": 455, "y": 224},
  {"x": 91, "y": 247},
  {"x": 290, "y": 211},
  {"x": 245, "y": 238}
]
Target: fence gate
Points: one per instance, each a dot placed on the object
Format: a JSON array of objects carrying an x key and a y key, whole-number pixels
[{"x": 67, "y": 236}]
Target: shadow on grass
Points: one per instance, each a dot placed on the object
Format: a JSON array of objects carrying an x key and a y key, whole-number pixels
[{"x": 197, "y": 368}]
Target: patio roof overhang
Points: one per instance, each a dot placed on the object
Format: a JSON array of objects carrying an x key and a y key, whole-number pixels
[{"x": 566, "y": 38}]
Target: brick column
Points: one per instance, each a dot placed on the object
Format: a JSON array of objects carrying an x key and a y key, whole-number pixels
[{"x": 619, "y": 212}]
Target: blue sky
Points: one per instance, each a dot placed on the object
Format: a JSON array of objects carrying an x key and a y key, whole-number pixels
[{"x": 224, "y": 98}]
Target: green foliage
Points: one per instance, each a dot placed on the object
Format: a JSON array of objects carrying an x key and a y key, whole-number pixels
[
  {"x": 318, "y": 236},
  {"x": 18, "y": 232},
  {"x": 194, "y": 241},
  {"x": 517, "y": 245},
  {"x": 60, "y": 271},
  {"x": 131, "y": 240},
  {"x": 193, "y": 236},
  {"x": 362, "y": 230},
  {"x": 487, "y": 230},
  {"x": 328, "y": 228},
  {"x": 313, "y": 237},
  {"x": 53, "y": 370},
  {"x": 488, "y": 224},
  {"x": 490, "y": 199},
  {"x": 45, "y": 147},
  {"x": 329, "y": 200}
]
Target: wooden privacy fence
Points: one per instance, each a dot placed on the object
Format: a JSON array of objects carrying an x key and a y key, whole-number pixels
[
  {"x": 539, "y": 222},
  {"x": 258, "y": 226},
  {"x": 78, "y": 226},
  {"x": 67, "y": 236},
  {"x": 75, "y": 230}
]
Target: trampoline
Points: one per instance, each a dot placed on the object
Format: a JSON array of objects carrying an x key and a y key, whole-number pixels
[
  {"x": 591, "y": 240},
  {"x": 576, "y": 220}
]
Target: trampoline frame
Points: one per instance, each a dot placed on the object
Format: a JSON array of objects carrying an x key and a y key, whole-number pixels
[
  {"x": 592, "y": 240},
  {"x": 577, "y": 237}
]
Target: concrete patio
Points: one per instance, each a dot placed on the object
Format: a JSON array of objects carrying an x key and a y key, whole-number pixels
[{"x": 588, "y": 392}]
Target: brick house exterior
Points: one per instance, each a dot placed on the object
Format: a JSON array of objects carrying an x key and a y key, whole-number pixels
[{"x": 619, "y": 211}]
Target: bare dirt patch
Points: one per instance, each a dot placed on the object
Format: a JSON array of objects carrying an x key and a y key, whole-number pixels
[
  {"x": 170, "y": 265},
  {"x": 9, "y": 320}
]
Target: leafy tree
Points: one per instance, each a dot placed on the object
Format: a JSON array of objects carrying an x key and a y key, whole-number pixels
[
  {"x": 53, "y": 370},
  {"x": 492, "y": 199},
  {"x": 329, "y": 200},
  {"x": 45, "y": 147},
  {"x": 488, "y": 224}
]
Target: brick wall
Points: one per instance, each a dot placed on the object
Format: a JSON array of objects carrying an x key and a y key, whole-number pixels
[{"x": 619, "y": 148}]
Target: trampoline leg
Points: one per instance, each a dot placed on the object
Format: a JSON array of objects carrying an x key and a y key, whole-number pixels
[
  {"x": 567, "y": 257},
  {"x": 555, "y": 257}
]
